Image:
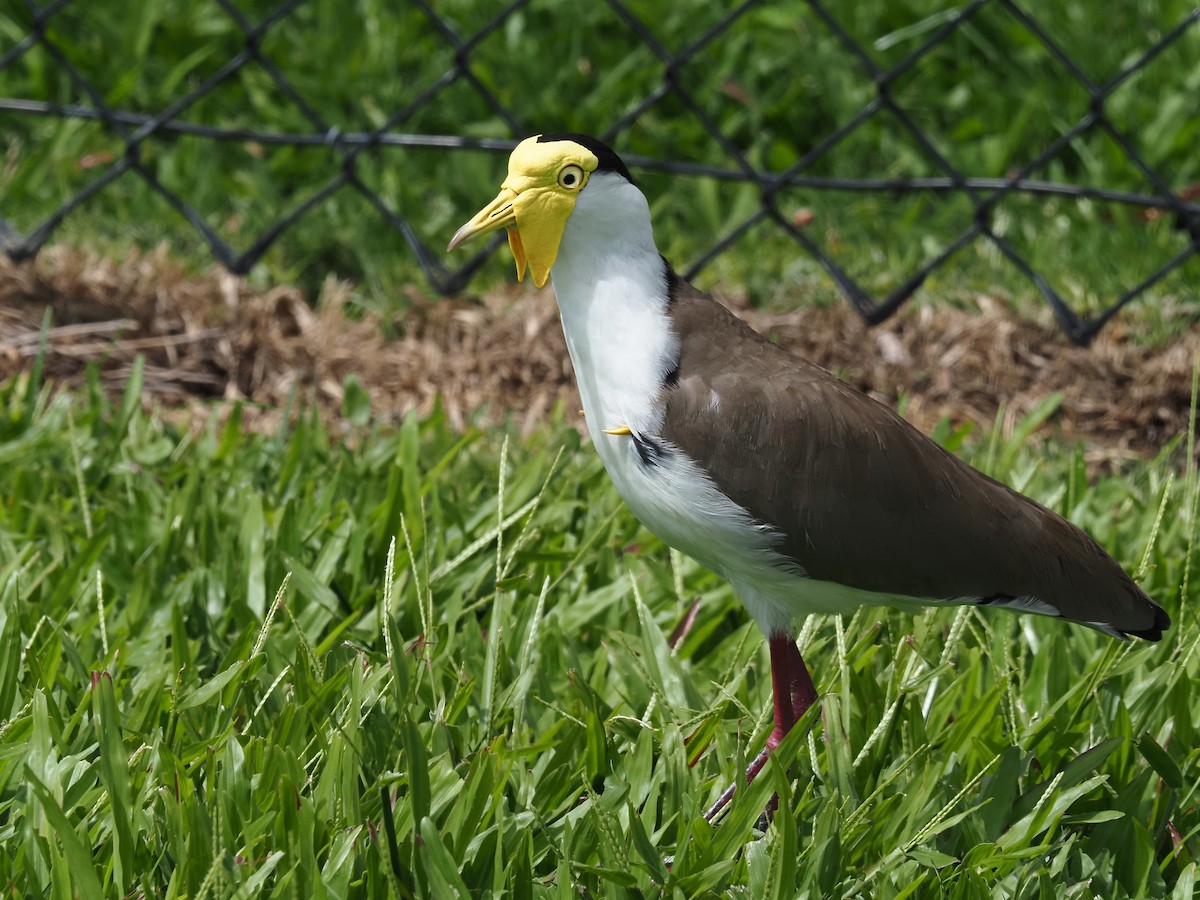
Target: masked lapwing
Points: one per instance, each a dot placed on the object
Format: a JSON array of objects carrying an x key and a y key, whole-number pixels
[{"x": 808, "y": 496}]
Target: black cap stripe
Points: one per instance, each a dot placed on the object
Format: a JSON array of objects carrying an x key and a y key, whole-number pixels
[{"x": 608, "y": 160}]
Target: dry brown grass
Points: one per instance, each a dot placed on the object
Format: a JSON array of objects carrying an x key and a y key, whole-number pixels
[{"x": 211, "y": 336}]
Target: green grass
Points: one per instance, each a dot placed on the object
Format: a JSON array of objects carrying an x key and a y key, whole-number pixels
[
  {"x": 990, "y": 99},
  {"x": 403, "y": 662},
  {"x": 380, "y": 661}
]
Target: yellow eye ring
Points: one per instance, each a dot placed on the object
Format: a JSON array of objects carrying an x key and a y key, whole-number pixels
[{"x": 571, "y": 177}]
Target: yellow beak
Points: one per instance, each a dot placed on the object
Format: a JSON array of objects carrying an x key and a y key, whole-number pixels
[
  {"x": 500, "y": 213},
  {"x": 496, "y": 215}
]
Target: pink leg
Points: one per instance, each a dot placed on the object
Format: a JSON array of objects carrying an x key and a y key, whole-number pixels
[{"x": 793, "y": 691}]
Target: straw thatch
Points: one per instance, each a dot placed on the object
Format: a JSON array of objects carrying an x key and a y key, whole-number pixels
[{"x": 211, "y": 336}]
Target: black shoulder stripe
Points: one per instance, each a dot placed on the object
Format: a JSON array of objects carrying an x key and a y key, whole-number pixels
[
  {"x": 673, "y": 281},
  {"x": 649, "y": 450}
]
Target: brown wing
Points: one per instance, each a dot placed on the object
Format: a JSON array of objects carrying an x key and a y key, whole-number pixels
[{"x": 863, "y": 498}]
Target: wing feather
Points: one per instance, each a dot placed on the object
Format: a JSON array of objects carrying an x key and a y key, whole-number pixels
[{"x": 861, "y": 497}]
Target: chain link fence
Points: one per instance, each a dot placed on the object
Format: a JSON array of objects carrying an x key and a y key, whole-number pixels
[{"x": 43, "y": 29}]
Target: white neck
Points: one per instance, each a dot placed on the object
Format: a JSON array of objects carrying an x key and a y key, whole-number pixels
[{"x": 612, "y": 295}]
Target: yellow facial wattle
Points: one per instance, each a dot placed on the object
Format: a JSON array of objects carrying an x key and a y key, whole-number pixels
[{"x": 534, "y": 203}]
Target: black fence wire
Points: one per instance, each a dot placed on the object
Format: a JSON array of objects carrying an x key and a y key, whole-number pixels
[{"x": 135, "y": 129}]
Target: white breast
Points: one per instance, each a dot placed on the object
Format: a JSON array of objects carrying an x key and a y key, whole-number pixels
[{"x": 611, "y": 287}]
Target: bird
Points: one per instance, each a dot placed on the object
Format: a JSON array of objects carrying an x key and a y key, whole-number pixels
[{"x": 807, "y": 495}]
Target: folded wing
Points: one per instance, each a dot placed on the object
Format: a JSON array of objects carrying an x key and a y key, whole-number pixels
[{"x": 862, "y": 498}]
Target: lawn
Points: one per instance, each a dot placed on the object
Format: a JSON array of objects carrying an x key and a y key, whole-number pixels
[
  {"x": 347, "y": 658},
  {"x": 401, "y": 661}
]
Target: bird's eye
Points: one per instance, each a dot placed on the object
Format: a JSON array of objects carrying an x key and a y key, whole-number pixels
[{"x": 571, "y": 177}]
